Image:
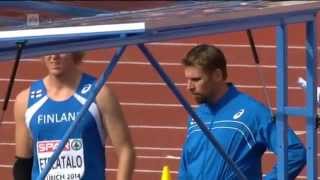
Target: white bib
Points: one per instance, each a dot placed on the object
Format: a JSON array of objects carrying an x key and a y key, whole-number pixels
[{"x": 70, "y": 163}]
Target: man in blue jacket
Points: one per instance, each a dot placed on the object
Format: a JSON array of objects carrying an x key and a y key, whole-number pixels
[{"x": 242, "y": 125}]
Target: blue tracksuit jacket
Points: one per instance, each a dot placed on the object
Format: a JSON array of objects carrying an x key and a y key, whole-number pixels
[{"x": 245, "y": 129}]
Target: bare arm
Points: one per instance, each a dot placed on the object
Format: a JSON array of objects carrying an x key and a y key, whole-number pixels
[
  {"x": 118, "y": 131},
  {"x": 22, "y": 135}
]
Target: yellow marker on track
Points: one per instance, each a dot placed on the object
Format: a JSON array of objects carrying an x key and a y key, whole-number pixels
[{"x": 165, "y": 173}]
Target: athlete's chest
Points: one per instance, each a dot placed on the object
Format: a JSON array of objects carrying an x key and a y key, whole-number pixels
[
  {"x": 233, "y": 125},
  {"x": 52, "y": 112},
  {"x": 53, "y": 119},
  {"x": 236, "y": 117}
]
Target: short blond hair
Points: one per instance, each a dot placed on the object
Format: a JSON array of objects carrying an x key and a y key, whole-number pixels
[{"x": 207, "y": 57}]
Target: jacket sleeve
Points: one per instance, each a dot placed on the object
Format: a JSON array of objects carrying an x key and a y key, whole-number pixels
[
  {"x": 183, "y": 167},
  {"x": 296, "y": 150}
]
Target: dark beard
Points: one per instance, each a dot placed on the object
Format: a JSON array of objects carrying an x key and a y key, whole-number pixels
[{"x": 200, "y": 99}]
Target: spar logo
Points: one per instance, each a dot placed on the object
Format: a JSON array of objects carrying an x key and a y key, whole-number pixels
[{"x": 50, "y": 146}]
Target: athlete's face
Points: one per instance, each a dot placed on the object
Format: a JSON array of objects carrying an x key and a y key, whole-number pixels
[
  {"x": 59, "y": 64},
  {"x": 202, "y": 85}
]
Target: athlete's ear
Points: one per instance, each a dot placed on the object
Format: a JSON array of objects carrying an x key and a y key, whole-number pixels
[{"x": 217, "y": 75}]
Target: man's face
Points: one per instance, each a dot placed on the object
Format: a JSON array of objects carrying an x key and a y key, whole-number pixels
[
  {"x": 200, "y": 84},
  {"x": 59, "y": 64}
]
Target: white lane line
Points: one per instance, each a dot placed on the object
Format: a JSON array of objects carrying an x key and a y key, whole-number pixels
[
  {"x": 143, "y": 171},
  {"x": 111, "y": 147},
  {"x": 156, "y": 127},
  {"x": 144, "y": 104},
  {"x": 130, "y": 126},
  {"x": 8, "y": 123},
  {"x": 151, "y": 104},
  {"x": 159, "y": 127},
  {"x": 17, "y": 80},
  {"x": 298, "y": 177},
  {"x": 5, "y": 166},
  {"x": 110, "y": 169},
  {"x": 185, "y": 84},
  {"x": 304, "y": 177},
  {"x": 7, "y": 144},
  {"x": 141, "y": 83},
  {"x": 160, "y": 157},
  {"x": 172, "y": 63},
  {"x": 153, "y": 148},
  {"x": 131, "y": 104},
  {"x": 299, "y": 133},
  {"x": 172, "y": 157}
]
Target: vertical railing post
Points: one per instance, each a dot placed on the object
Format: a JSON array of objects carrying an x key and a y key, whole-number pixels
[
  {"x": 311, "y": 102},
  {"x": 282, "y": 101}
]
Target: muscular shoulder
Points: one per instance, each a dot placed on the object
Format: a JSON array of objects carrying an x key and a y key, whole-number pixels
[
  {"x": 260, "y": 114},
  {"x": 22, "y": 97},
  {"x": 106, "y": 97},
  {"x": 21, "y": 103},
  {"x": 104, "y": 93},
  {"x": 252, "y": 103}
]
